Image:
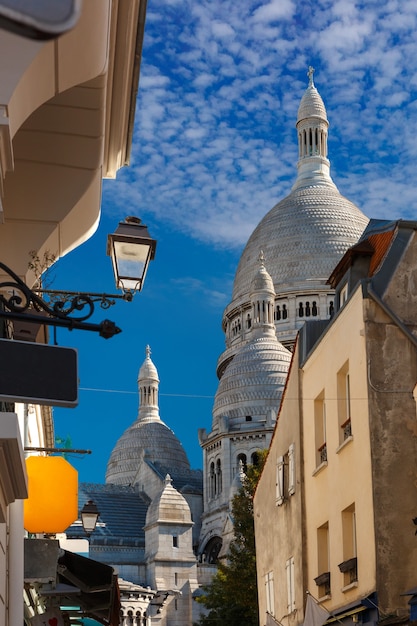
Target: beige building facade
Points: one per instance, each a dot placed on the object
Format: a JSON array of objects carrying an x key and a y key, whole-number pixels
[
  {"x": 340, "y": 512},
  {"x": 67, "y": 108}
]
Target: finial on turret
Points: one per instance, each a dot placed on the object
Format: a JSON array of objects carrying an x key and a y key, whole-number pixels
[
  {"x": 310, "y": 76},
  {"x": 261, "y": 259},
  {"x": 148, "y": 351}
]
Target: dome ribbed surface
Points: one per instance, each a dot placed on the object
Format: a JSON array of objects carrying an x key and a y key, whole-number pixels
[
  {"x": 253, "y": 382},
  {"x": 155, "y": 440},
  {"x": 303, "y": 236},
  {"x": 311, "y": 105}
]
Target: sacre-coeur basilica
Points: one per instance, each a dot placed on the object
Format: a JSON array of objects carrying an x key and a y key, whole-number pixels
[{"x": 164, "y": 523}]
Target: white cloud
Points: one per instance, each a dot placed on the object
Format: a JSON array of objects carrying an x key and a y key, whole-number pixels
[
  {"x": 274, "y": 10},
  {"x": 215, "y": 142}
]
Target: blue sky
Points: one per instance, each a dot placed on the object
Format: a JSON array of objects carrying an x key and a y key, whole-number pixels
[{"x": 214, "y": 149}]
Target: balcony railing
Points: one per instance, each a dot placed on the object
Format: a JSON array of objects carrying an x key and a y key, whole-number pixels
[
  {"x": 347, "y": 429},
  {"x": 322, "y": 452}
]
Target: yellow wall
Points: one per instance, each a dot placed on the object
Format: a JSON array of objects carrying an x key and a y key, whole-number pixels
[{"x": 346, "y": 477}]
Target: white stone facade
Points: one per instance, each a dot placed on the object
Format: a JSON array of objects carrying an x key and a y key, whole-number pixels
[{"x": 301, "y": 239}]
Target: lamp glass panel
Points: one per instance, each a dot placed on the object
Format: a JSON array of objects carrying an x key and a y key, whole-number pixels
[
  {"x": 89, "y": 521},
  {"x": 131, "y": 260}
]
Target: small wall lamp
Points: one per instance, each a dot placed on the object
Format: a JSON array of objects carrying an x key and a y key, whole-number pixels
[{"x": 89, "y": 516}]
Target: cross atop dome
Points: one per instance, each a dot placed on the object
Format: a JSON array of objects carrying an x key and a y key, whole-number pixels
[{"x": 310, "y": 76}]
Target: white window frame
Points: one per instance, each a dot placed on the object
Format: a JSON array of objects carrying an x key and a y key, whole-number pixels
[
  {"x": 290, "y": 567},
  {"x": 269, "y": 593},
  {"x": 291, "y": 470},
  {"x": 280, "y": 496}
]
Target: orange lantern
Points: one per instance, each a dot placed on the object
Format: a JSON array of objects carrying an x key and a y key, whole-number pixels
[{"x": 52, "y": 503}]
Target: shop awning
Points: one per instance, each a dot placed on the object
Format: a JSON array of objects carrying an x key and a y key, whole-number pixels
[{"x": 86, "y": 588}]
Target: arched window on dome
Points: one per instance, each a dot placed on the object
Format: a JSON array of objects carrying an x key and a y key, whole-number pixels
[
  {"x": 331, "y": 308},
  {"x": 314, "y": 310},
  {"x": 277, "y": 313},
  {"x": 219, "y": 478},
  {"x": 241, "y": 458},
  {"x": 129, "y": 620},
  {"x": 138, "y": 620},
  {"x": 284, "y": 312},
  {"x": 248, "y": 321},
  {"x": 212, "y": 481},
  {"x": 300, "y": 310},
  {"x": 144, "y": 620},
  {"x": 254, "y": 458},
  {"x": 308, "y": 310}
]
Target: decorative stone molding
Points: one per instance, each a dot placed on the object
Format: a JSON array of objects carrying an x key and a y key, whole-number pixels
[
  {"x": 13, "y": 478},
  {"x": 6, "y": 152}
]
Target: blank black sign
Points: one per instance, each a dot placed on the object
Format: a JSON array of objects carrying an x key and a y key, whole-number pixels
[{"x": 38, "y": 373}]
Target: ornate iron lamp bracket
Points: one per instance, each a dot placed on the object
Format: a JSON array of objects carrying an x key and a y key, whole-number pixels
[{"x": 18, "y": 302}]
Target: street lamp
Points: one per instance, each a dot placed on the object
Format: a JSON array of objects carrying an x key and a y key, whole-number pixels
[
  {"x": 89, "y": 516},
  {"x": 130, "y": 248}
]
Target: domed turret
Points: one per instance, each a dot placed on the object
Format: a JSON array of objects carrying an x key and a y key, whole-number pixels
[
  {"x": 169, "y": 506},
  {"x": 252, "y": 384},
  {"x": 147, "y": 438}
]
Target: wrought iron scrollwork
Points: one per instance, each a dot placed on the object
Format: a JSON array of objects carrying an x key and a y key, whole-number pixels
[{"x": 66, "y": 309}]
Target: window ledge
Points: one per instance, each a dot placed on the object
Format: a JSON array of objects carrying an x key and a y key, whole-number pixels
[
  {"x": 328, "y": 596},
  {"x": 319, "y": 468},
  {"x": 350, "y": 586},
  {"x": 344, "y": 443}
]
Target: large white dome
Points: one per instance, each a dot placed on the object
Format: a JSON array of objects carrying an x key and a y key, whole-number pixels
[{"x": 303, "y": 237}]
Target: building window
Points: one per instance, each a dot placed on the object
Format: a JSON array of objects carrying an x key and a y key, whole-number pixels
[
  {"x": 323, "y": 559},
  {"x": 269, "y": 593},
  {"x": 284, "y": 312},
  {"x": 343, "y": 403},
  {"x": 241, "y": 459},
  {"x": 285, "y": 476},
  {"x": 219, "y": 477},
  {"x": 248, "y": 321},
  {"x": 320, "y": 429},
  {"x": 175, "y": 541},
  {"x": 314, "y": 309},
  {"x": 343, "y": 296},
  {"x": 212, "y": 481},
  {"x": 291, "y": 470},
  {"x": 280, "y": 481},
  {"x": 349, "y": 566},
  {"x": 289, "y": 567}
]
